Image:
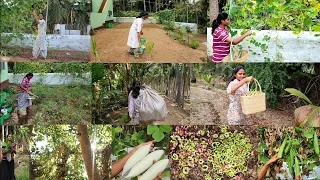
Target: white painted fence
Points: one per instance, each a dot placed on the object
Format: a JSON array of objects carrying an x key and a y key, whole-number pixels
[
  {"x": 54, "y": 42},
  {"x": 304, "y": 47},
  {"x": 131, "y": 19},
  {"x": 52, "y": 78},
  {"x": 193, "y": 26}
]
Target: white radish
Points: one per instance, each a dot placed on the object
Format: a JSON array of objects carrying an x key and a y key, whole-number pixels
[
  {"x": 145, "y": 163},
  {"x": 153, "y": 171},
  {"x": 135, "y": 158}
]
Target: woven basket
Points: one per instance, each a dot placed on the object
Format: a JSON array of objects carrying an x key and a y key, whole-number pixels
[
  {"x": 255, "y": 103},
  {"x": 234, "y": 57}
]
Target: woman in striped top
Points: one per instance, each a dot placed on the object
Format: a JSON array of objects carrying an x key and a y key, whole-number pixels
[
  {"x": 24, "y": 90},
  {"x": 7, "y": 163},
  {"x": 221, "y": 38}
]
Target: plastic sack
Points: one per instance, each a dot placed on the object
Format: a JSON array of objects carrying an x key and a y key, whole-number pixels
[{"x": 153, "y": 107}]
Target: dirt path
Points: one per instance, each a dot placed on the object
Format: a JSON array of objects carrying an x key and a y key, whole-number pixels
[
  {"x": 53, "y": 56},
  {"x": 176, "y": 116},
  {"x": 112, "y": 46},
  {"x": 211, "y": 107}
]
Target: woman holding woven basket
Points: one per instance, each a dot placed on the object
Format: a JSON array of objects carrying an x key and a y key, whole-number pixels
[
  {"x": 236, "y": 88},
  {"x": 221, "y": 38}
]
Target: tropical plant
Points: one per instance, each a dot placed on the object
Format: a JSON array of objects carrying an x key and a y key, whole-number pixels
[{"x": 312, "y": 115}]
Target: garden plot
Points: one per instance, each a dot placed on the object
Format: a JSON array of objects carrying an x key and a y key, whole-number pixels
[
  {"x": 213, "y": 152},
  {"x": 210, "y": 106},
  {"x": 112, "y": 46}
]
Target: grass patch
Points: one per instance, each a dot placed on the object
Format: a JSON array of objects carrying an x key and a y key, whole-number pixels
[
  {"x": 23, "y": 174},
  {"x": 63, "y": 104}
]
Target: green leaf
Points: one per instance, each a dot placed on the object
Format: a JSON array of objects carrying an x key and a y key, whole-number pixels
[
  {"x": 263, "y": 159},
  {"x": 151, "y": 129},
  {"x": 309, "y": 133},
  {"x": 262, "y": 147},
  {"x": 295, "y": 92},
  {"x": 165, "y": 128},
  {"x": 158, "y": 135},
  {"x": 166, "y": 174}
]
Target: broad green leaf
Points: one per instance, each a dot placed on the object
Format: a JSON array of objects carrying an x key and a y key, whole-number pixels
[
  {"x": 165, "y": 128},
  {"x": 295, "y": 92},
  {"x": 309, "y": 133},
  {"x": 158, "y": 135},
  {"x": 151, "y": 129}
]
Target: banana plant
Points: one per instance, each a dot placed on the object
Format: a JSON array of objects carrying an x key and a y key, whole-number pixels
[
  {"x": 207, "y": 79},
  {"x": 94, "y": 48},
  {"x": 306, "y": 115}
]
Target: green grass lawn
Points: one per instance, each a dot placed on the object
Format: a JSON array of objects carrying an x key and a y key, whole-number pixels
[
  {"x": 63, "y": 104},
  {"x": 22, "y": 174}
]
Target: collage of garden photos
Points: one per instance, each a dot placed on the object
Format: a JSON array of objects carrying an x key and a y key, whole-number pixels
[{"x": 160, "y": 89}]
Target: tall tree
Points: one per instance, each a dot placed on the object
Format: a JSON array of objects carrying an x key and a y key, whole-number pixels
[
  {"x": 213, "y": 10},
  {"x": 91, "y": 168}
]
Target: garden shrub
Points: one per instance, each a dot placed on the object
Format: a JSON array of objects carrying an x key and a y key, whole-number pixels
[{"x": 194, "y": 44}]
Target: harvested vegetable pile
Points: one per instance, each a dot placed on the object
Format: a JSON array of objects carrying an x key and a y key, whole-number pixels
[
  {"x": 297, "y": 147},
  {"x": 213, "y": 152}
]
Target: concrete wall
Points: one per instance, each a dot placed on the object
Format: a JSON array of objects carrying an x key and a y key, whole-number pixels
[
  {"x": 304, "y": 47},
  {"x": 97, "y": 19},
  {"x": 55, "y": 42},
  {"x": 192, "y": 26},
  {"x": 4, "y": 73},
  {"x": 131, "y": 19},
  {"x": 51, "y": 79}
]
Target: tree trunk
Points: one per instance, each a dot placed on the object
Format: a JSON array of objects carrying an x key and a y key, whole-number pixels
[
  {"x": 179, "y": 84},
  {"x": 91, "y": 168},
  {"x": 317, "y": 68},
  {"x": 213, "y": 10},
  {"x": 144, "y": 5},
  {"x": 193, "y": 74},
  {"x": 25, "y": 145},
  {"x": 106, "y": 154}
]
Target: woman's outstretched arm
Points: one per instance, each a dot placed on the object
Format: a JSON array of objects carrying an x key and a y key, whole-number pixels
[
  {"x": 35, "y": 16},
  {"x": 239, "y": 39}
]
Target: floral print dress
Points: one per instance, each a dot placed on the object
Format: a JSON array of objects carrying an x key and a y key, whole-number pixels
[
  {"x": 235, "y": 115},
  {"x": 134, "y": 107},
  {"x": 40, "y": 45}
]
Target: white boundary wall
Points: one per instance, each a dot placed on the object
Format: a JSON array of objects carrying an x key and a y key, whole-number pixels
[
  {"x": 51, "y": 78},
  {"x": 304, "y": 47},
  {"x": 55, "y": 42}
]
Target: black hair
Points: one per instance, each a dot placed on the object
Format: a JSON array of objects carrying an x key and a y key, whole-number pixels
[
  {"x": 135, "y": 89},
  {"x": 235, "y": 71},
  {"x": 29, "y": 74},
  {"x": 143, "y": 13},
  {"x": 43, "y": 15},
  {"x": 216, "y": 23}
]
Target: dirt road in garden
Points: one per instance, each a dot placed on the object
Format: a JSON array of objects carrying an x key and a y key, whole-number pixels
[
  {"x": 112, "y": 46},
  {"x": 211, "y": 107},
  {"x": 53, "y": 56}
]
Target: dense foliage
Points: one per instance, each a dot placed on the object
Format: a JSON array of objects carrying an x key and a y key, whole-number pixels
[
  {"x": 56, "y": 152},
  {"x": 297, "y": 142},
  {"x": 113, "y": 83}
]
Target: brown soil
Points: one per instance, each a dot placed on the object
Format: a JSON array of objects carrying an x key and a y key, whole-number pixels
[
  {"x": 25, "y": 55},
  {"x": 210, "y": 107},
  {"x": 112, "y": 46}
]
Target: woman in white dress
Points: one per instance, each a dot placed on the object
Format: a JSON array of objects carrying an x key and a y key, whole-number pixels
[
  {"x": 40, "y": 45},
  {"x": 136, "y": 32}
]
